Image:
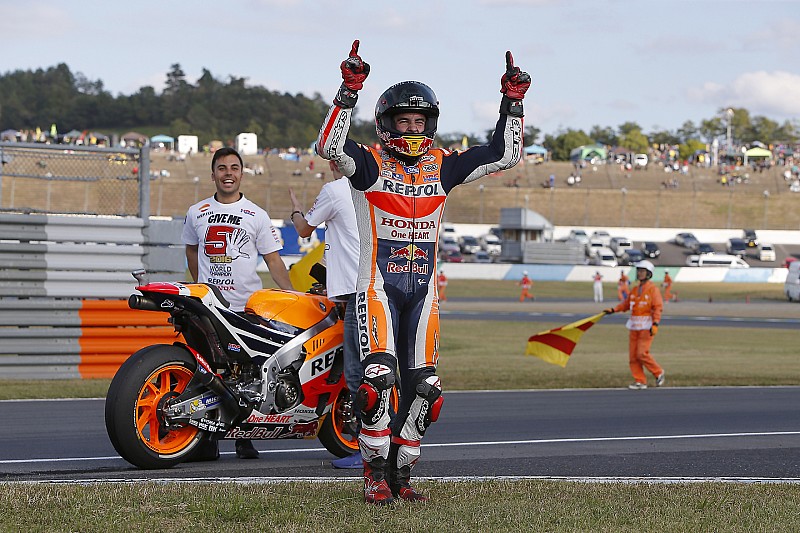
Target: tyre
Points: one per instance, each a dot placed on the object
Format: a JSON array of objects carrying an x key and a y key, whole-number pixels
[
  {"x": 133, "y": 407},
  {"x": 336, "y": 433}
]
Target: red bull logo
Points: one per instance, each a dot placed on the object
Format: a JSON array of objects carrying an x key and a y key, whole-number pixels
[{"x": 412, "y": 252}]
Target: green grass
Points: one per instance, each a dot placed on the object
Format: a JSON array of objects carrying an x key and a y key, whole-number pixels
[{"x": 524, "y": 505}]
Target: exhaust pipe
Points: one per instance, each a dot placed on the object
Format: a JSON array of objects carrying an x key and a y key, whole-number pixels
[{"x": 137, "y": 301}]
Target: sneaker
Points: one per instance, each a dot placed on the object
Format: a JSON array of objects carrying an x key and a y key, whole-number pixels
[
  {"x": 660, "y": 379},
  {"x": 637, "y": 386},
  {"x": 351, "y": 461},
  {"x": 245, "y": 449}
]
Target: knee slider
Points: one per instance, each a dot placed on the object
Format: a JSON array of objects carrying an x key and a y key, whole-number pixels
[
  {"x": 430, "y": 390},
  {"x": 372, "y": 398}
]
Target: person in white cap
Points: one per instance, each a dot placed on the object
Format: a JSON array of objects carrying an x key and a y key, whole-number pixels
[{"x": 646, "y": 305}]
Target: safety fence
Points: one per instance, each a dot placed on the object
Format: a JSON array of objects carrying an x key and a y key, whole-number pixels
[{"x": 64, "y": 284}]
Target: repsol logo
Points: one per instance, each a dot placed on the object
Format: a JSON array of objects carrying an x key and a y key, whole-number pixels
[
  {"x": 401, "y": 223},
  {"x": 361, "y": 315},
  {"x": 405, "y": 189}
]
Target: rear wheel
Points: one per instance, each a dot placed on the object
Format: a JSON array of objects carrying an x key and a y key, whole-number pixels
[
  {"x": 336, "y": 433},
  {"x": 136, "y": 396}
]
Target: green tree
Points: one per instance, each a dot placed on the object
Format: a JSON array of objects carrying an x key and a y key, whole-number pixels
[
  {"x": 562, "y": 144},
  {"x": 605, "y": 136},
  {"x": 687, "y": 149}
]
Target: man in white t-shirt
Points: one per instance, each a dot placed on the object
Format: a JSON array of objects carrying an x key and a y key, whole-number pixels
[
  {"x": 334, "y": 208},
  {"x": 226, "y": 236}
]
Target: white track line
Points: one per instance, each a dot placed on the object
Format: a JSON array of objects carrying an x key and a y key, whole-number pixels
[{"x": 463, "y": 444}]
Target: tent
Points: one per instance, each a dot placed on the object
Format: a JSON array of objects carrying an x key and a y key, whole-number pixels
[
  {"x": 164, "y": 140},
  {"x": 588, "y": 153},
  {"x": 758, "y": 152},
  {"x": 535, "y": 149},
  {"x": 134, "y": 138},
  {"x": 8, "y": 135}
]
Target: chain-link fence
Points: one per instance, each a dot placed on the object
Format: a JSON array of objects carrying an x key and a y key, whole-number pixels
[{"x": 44, "y": 178}]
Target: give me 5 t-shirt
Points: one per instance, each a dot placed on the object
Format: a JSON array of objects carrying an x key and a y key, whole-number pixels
[{"x": 231, "y": 239}]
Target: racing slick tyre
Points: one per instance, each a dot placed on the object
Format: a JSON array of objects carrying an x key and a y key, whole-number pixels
[
  {"x": 134, "y": 421},
  {"x": 339, "y": 429}
]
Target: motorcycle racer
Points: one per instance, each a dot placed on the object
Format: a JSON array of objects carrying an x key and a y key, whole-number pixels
[{"x": 399, "y": 194}]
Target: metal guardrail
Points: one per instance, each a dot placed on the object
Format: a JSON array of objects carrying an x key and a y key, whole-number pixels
[{"x": 64, "y": 284}]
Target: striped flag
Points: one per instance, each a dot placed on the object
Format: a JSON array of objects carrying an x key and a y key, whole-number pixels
[{"x": 556, "y": 345}]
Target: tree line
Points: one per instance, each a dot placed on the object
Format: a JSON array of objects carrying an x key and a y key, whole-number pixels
[{"x": 220, "y": 109}]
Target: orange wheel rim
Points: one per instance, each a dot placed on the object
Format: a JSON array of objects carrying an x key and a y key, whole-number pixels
[{"x": 170, "y": 379}]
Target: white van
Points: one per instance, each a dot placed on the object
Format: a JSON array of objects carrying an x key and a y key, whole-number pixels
[
  {"x": 716, "y": 260},
  {"x": 792, "y": 284}
]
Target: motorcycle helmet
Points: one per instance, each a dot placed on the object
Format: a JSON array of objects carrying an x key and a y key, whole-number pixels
[
  {"x": 406, "y": 97},
  {"x": 647, "y": 265}
]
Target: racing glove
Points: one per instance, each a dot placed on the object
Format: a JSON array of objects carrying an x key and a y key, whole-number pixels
[
  {"x": 513, "y": 85},
  {"x": 654, "y": 329},
  {"x": 609, "y": 311},
  {"x": 354, "y": 72}
]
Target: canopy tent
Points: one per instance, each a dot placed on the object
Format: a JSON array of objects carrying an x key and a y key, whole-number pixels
[
  {"x": 8, "y": 135},
  {"x": 588, "y": 152},
  {"x": 758, "y": 152},
  {"x": 535, "y": 149},
  {"x": 163, "y": 140},
  {"x": 134, "y": 137},
  {"x": 96, "y": 138}
]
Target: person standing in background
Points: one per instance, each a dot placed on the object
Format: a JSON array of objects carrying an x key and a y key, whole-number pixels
[
  {"x": 442, "y": 286},
  {"x": 622, "y": 286},
  {"x": 334, "y": 207},
  {"x": 226, "y": 236},
  {"x": 598, "y": 287},
  {"x": 645, "y": 305},
  {"x": 667, "y": 284},
  {"x": 526, "y": 284}
]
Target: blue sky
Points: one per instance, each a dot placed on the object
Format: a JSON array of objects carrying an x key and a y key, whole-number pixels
[{"x": 593, "y": 62}]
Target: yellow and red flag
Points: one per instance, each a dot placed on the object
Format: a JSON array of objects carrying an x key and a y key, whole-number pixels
[{"x": 556, "y": 345}]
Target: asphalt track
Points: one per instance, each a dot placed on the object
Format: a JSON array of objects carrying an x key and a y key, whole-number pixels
[{"x": 733, "y": 433}]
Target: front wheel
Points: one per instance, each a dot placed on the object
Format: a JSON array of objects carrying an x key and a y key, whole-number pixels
[
  {"x": 339, "y": 426},
  {"x": 134, "y": 405}
]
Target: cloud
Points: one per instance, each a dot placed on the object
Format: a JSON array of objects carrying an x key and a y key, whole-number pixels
[{"x": 760, "y": 92}]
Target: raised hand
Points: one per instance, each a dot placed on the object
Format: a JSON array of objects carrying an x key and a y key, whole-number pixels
[
  {"x": 514, "y": 82},
  {"x": 354, "y": 69}
]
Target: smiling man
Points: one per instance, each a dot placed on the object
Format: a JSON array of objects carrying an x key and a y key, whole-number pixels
[{"x": 225, "y": 237}]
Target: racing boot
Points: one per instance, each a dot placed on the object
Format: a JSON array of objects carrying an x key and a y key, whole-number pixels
[
  {"x": 400, "y": 477},
  {"x": 376, "y": 489}
]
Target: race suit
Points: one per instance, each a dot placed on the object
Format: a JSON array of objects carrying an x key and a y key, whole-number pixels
[{"x": 399, "y": 211}]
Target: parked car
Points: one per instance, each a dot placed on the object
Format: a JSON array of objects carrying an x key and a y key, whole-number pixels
[
  {"x": 602, "y": 236},
  {"x": 749, "y": 236},
  {"x": 716, "y": 260},
  {"x": 578, "y": 235},
  {"x": 792, "y": 284},
  {"x": 468, "y": 244},
  {"x": 592, "y": 246},
  {"x": 490, "y": 243},
  {"x": 640, "y": 160},
  {"x": 631, "y": 256},
  {"x": 686, "y": 239},
  {"x": 766, "y": 252},
  {"x": 704, "y": 248},
  {"x": 481, "y": 256},
  {"x": 452, "y": 256},
  {"x": 651, "y": 249},
  {"x": 447, "y": 243},
  {"x": 736, "y": 247},
  {"x": 604, "y": 257},
  {"x": 620, "y": 245}
]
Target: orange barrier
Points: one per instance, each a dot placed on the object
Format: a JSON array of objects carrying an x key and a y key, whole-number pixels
[{"x": 111, "y": 332}]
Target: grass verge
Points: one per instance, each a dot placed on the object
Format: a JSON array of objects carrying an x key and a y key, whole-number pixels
[{"x": 523, "y": 505}]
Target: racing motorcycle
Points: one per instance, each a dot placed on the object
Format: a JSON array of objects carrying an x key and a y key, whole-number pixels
[{"x": 275, "y": 371}]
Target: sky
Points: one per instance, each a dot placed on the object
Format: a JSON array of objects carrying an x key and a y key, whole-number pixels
[{"x": 593, "y": 62}]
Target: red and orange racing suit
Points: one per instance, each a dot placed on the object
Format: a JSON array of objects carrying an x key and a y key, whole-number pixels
[{"x": 399, "y": 210}]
